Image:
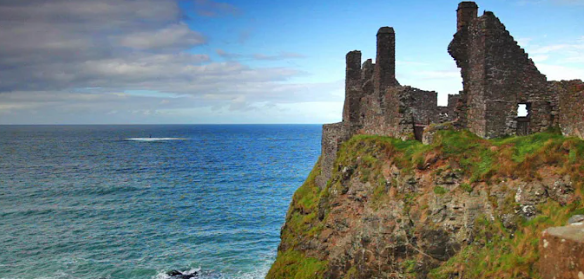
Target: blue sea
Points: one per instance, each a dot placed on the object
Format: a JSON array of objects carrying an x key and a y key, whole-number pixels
[{"x": 138, "y": 201}]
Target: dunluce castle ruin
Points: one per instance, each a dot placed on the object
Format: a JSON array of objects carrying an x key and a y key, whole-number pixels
[{"x": 497, "y": 75}]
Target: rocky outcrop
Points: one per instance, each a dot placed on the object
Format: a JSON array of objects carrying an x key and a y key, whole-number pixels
[
  {"x": 461, "y": 207},
  {"x": 175, "y": 274},
  {"x": 562, "y": 252}
]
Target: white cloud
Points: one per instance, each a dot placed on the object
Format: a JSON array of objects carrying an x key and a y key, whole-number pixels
[
  {"x": 575, "y": 59},
  {"x": 210, "y": 8},
  {"x": 559, "y": 61},
  {"x": 177, "y": 37},
  {"x": 539, "y": 58},
  {"x": 557, "y": 72},
  {"x": 258, "y": 56},
  {"x": 557, "y": 47},
  {"x": 569, "y": 2},
  {"x": 439, "y": 74},
  {"x": 115, "y": 61},
  {"x": 524, "y": 41}
]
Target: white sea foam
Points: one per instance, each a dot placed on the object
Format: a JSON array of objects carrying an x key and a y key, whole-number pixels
[{"x": 259, "y": 273}]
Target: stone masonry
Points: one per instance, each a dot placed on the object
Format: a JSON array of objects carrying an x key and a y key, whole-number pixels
[
  {"x": 498, "y": 76},
  {"x": 376, "y": 104},
  {"x": 571, "y": 113}
]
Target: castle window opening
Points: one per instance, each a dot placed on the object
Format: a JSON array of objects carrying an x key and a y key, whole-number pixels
[{"x": 523, "y": 110}]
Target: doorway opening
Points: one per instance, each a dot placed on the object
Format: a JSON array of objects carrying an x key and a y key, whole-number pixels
[{"x": 523, "y": 115}]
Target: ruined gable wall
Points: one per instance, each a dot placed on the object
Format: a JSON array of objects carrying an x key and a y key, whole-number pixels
[
  {"x": 511, "y": 78},
  {"x": 501, "y": 61},
  {"x": 468, "y": 50},
  {"x": 497, "y": 75},
  {"x": 473, "y": 80},
  {"x": 459, "y": 49}
]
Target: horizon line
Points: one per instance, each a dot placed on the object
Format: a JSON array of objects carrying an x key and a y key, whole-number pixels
[{"x": 144, "y": 124}]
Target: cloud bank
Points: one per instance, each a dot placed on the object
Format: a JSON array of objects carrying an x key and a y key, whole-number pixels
[{"x": 89, "y": 56}]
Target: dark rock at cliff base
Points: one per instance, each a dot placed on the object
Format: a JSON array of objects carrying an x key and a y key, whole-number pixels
[{"x": 175, "y": 274}]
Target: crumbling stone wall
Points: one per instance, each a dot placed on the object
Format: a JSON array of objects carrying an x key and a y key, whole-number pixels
[
  {"x": 378, "y": 116},
  {"x": 367, "y": 70},
  {"x": 402, "y": 108},
  {"x": 375, "y": 103},
  {"x": 424, "y": 105},
  {"x": 497, "y": 76},
  {"x": 571, "y": 112},
  {"x": 332, "y": 137}
]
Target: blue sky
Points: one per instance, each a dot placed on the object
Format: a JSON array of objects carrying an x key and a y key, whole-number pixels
[{"x": 203, "y": 61}]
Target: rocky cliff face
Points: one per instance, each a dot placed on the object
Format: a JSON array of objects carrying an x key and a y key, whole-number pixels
[{"x": 461, "y": 207}]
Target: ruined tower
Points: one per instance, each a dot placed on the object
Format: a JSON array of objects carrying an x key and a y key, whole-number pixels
[
  {"x": 353, "y": 89},
  {"x": 466, "y": 13},
  {"x": 384, "y": 73}
]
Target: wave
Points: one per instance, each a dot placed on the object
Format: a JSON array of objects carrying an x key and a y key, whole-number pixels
[{"x": 155, "y": 139}]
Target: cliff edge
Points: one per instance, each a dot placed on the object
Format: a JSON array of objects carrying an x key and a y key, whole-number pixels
[{"x": 461, "y": 207}]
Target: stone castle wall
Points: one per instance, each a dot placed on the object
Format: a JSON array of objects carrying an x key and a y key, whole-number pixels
[
  {"x": 497, "y": 77},
  {"x": 448, "y": 113},
  {"x": 376, "y": 104},
  {"x": 571, "y": 107}
]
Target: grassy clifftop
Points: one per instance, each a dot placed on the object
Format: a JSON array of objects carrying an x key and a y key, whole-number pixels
[{"x": 462, "y": 206}]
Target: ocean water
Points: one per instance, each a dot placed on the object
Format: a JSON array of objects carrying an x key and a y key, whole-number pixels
[{"x": 138, "y": 201}]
